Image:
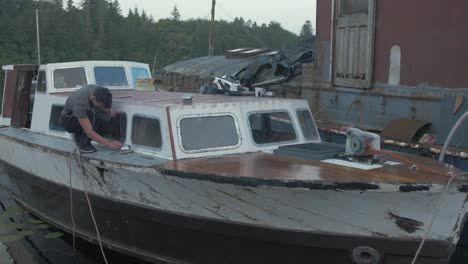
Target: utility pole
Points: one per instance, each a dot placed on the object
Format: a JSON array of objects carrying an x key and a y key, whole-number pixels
[
  {"x": 154, "y": 64},
  {"x": 211, "y": 39},
  {"x": 38, "y": 40}
]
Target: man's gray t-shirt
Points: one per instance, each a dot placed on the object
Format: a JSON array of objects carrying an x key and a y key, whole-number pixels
[{"x": 78, "y": 102}]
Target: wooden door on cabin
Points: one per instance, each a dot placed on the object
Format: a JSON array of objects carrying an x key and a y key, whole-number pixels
[{"x": 354, "y": 43}]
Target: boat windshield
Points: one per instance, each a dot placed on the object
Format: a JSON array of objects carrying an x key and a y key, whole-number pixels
[
  {"x": 272, "y": 127},
  {"x": 70, "y": 78},
  {"x": 307, "y": 124},
  {"x": 110, "y": 76}
]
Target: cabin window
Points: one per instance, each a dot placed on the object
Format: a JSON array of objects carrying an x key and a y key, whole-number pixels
[
  {"x": 54, "y": 123},
  {"x": 139, "y": 73},
  {"x": 208, "y": 132},
  {"x": 146, "y": 132},
  {"x": 41, "y": 85},
  {"x": 118, "y": 127},
  {"x": 272, "y": 127},
  {"x": 70, "y": 78},
  {"x": 307, "y": 124},
  {"x": 110, "y": 76}
]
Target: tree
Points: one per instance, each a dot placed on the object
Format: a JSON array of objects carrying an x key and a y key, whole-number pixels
[
  {"x": 175, "y": 14},
  {"x": 70, "y": 5},
  {"x": 307, "y": 31}
]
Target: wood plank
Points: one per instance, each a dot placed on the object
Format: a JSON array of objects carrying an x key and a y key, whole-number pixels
[{"x": 263, "y": 165}]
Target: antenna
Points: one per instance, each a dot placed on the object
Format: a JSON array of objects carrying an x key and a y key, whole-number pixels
[
  {"x": 211, "y": 39},
  {"x": 38, "y": 41}
]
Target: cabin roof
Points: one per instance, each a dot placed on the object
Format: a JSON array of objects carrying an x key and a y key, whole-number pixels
[{"x": 163, "y": 98}]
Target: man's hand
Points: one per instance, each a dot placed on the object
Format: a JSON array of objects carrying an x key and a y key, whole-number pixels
[{"x": 115, "y": 145}]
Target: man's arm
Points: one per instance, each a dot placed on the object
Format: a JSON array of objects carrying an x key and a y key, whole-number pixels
[{"x": 88, "y": 129}]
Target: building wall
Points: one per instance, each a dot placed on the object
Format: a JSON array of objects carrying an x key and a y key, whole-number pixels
[
  {"x": 432, "y": 35},
  {"x": 323, "y": 39}
]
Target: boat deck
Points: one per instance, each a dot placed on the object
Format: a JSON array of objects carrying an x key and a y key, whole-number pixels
[
  {"x": 66, "y": 145},
  {"x": 264, "y": 165},
  {"x": 258, "y": 165}
]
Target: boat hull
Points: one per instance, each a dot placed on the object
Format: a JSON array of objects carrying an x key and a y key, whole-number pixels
[
  {"x": 157, "y": 235},
  {"x": 174, "y": 216}
]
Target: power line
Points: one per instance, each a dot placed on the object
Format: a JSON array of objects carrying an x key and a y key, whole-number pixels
[
  {"x": 186, "y": 42},
  {"x": 243, "y": 27}
]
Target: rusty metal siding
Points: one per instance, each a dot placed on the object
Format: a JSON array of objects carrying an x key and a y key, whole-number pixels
[
  {"x": 9, "y": 93},
  {"x": 324, "y": 13},
  {"x": 433, "y": 36},
  {"x": 323, "y": 39}
]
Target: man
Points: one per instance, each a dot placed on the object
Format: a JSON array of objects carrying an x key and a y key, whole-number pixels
[{"x": 86, "y": 115}]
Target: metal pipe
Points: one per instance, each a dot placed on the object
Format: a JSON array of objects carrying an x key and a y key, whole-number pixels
[{"x": 452, "y": 132}]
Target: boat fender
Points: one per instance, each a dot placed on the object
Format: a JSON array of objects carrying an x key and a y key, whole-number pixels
[{"x": 365, "y": 255}]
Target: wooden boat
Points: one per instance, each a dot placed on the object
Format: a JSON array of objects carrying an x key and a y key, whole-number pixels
[{"x": 223, "y": 179}]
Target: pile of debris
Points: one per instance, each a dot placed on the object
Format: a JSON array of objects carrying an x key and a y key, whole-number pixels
[{"x": 239, "y": 72}]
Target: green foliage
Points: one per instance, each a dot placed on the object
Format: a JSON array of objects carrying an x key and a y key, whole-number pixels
[
  {"x": 175, "y": 14},
  {"x": 54, "y": 235},
  {"x": 97, "y": 30},
  {"x": 307, "y": 31}
]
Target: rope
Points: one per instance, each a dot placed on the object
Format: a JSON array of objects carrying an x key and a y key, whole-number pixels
[
  {"x": 71, "y": 199},
  {"x": 439, "y": 202},
  {"x": 73, "y": 253},
  {"x": 435, "y": 216},
  {"x": 81, "y": 165}
]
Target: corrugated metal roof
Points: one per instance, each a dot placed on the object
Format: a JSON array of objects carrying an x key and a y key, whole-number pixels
[{"x": 209, "y": 66}]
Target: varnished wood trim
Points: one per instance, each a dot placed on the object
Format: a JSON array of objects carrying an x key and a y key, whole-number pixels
[{"x": 171, "y": 135}]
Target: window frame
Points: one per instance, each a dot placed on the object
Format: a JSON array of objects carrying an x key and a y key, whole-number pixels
[
  {"x": 134, "y": 80},
  {"x": 293, "y": 123},
  {"x": 313, "y": 120},
  {"x": 113, "y": 86},
  {"x": 37, "y": 83},
  {"x": 119, "y": 113},
  {"x": 144, "y": 147},
  {"x": 50, "y": 119},
  {"x": 236, "y": 124},
  {"x": 55, "y": 89}
]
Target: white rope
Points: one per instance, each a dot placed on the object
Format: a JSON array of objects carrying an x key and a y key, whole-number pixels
[
  {"x": 71, "y": 198},
  {"x": 80, "y": 164},
  {"x": 73, "y": 253},
  {"x": 435, "y": 215}
]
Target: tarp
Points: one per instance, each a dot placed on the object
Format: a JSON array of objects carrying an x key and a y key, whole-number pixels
[{"x": 264, "y": 69}]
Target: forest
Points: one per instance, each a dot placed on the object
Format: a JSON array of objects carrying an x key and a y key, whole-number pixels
[{"x": 101, "y": 30}]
